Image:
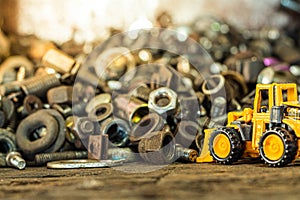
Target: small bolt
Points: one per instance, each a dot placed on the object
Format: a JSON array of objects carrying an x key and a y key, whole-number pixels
[
  {"x": 186, "y": 154},
  {"x": 14, "y": 159}
]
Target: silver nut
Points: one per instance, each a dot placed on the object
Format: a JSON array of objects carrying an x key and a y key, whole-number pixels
[{"x": 162, "y": 100}]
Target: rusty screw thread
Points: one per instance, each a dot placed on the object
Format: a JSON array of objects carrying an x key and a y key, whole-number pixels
[
  {"x": 43, "y": 158},
  {"x": 40, "y": 85}
]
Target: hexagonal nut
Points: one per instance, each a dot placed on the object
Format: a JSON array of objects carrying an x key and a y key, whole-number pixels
[
  {"x": 60, "y": 94},
  {"x": 81, "y": 127},
  {"x": 163, "y": 100}
]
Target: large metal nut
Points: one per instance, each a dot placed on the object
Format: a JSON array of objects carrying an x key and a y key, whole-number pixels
[
  {"x": 163, "y": 100},
  {"x": 158, "y": 147},
  {"x": 60, "y": 94}
]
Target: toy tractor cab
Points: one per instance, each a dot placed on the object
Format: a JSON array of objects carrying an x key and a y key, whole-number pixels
[{"x": 270, "y": 130}]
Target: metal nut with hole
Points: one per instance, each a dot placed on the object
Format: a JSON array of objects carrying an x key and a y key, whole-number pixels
[
  {"x": 163, "y": 100},
  {"x": 158, "y": 147},
  {"x": 98, "y": 99},
  {"x": 131, "y": 108},
  {"x": 101, "y": 112},
  {"x": 59, "y": 61},
  {"x": 117, "y": 131},
  {"x": 82, "y": 127},
  {"x": 150, "y": 123}
]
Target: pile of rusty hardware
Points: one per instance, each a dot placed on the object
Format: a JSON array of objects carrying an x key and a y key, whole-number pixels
[{"x": 139, "y": 96}]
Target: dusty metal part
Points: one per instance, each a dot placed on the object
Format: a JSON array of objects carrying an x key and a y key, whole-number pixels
[
  {"x": 58, "y": 60},
  {"x": 40, "y": 85},
  {"x": 101, "y": 112},
  {"x": 63, "y": 109},
  {"x": 43, "y": 158},
  {"x": 163, "y": 100},
  {"x": 158, "y": 147},
  {"x": 75, "y": 164},
  {"x": 16, "y": 63},
  {"x": 28, "y": 136},
  {"x": 112, "y": 63},
  {"x": 42, "y": 131},
  {"x": 142, "y": 92},
  {"x": 131, "y": 108},
  {"x": 82, "y": 127},
  {"x": 98, "y": 147},
  {"x": 150, "y": 123},
  {"x": 213, "y": 85},
  {"x": 98, "y": 99},
  {"x": 14, "y": 159},
  {"x": 31, "y": 104},
  {"x": 117, "y": 131},
  {"x": 60, "y": 95}
]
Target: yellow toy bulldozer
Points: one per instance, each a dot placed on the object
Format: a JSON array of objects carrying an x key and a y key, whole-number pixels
[{"x": 270, "y": 130}]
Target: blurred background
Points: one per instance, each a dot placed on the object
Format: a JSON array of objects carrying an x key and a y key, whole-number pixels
[{"x": 89, "y": 20}]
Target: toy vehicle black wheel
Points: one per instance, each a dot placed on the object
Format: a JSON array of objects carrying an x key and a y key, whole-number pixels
[
  {"x": 278, "y": 147},
  {"x": 225, "y": 145}
]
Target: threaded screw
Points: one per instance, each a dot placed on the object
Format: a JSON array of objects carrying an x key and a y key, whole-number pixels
[
  {"x": 39, "y": 85},
  {"x": 43, "y": 158}
]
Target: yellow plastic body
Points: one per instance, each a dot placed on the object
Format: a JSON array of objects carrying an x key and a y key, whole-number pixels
[{"x": 277, "y": 95}]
